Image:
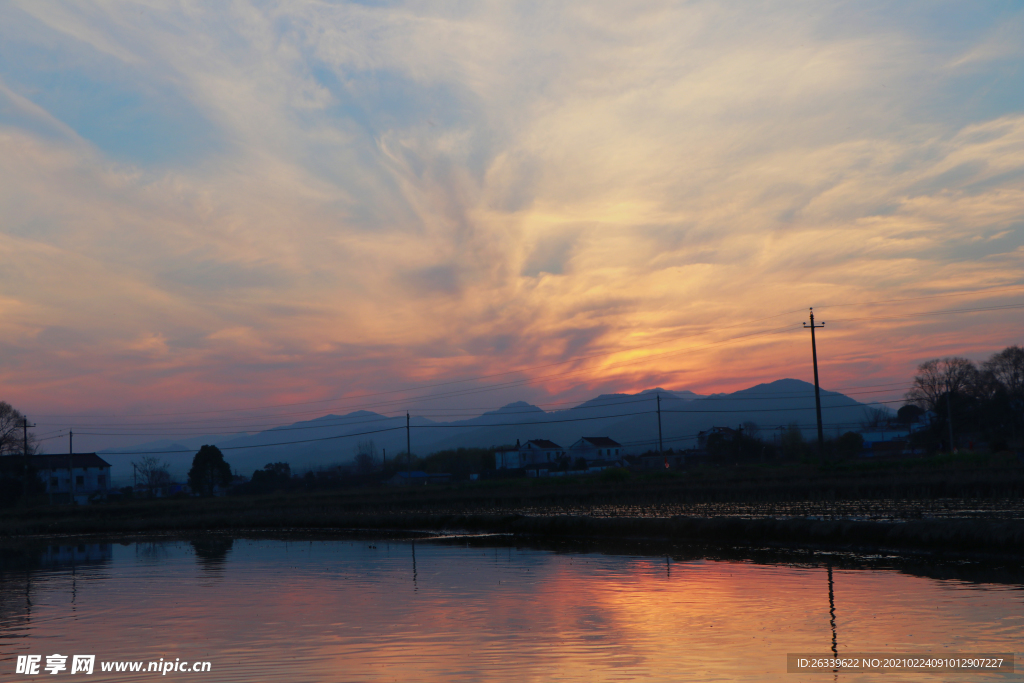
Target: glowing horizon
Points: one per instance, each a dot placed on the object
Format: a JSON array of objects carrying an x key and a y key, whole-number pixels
[{"x": 211, "y": 208}]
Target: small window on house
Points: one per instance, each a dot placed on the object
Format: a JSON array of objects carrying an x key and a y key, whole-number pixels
[
  {"x": 101, "y": 481},
  {"x": 53, "y": 482},
  {"x": 80, "y": 480}
]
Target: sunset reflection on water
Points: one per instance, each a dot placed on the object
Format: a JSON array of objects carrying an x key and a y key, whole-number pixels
[{"x": 263, "y": 610}]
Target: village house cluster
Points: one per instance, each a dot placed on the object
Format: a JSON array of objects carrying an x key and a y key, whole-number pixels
[{"x": 540, "y": 457}]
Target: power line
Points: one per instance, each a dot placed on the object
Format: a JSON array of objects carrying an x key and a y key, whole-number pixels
[
  {"x": 530, "y": 380},
  {"x": 624, "y": 350},
  {"x": 262, "y": 445},
  {"x": 778, "y": 410},
  {"x": 461, "y": 412},
  {"x": 505, "y": 424},
  {"x": 460, "y": 381},
  {"x": 645, "y": 359},
  {"x": 978, "y": 309},
  {"x": 1017, "y": 287},
  {"x": 605, "y": 354},
  {"x": 146, "y": 428}
]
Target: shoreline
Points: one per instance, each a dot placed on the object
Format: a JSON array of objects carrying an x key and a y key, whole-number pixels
[
  {"x": 960, "y": 508},
  {"x": 929, "y": 538}
]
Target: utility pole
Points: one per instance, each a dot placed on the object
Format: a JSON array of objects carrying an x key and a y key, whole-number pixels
[
  {"x": 71, "y": 466},
  {"x": 661, "y": 448},
  {"x": 817, "y": 391},
  {"x": 408, "y": 440},
  {"x": 28, "y": 462},
  {"x": 949, "y": 418}
]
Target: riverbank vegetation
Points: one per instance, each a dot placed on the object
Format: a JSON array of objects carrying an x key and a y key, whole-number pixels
[{"x": 913, "y": 504}]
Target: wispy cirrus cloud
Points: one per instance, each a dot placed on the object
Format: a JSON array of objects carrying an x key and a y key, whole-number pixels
[{"x": 331, "y": 197}]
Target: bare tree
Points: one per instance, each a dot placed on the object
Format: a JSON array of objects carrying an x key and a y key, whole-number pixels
[
  {"x": 12, "y": 434},
  {"x": 875, "y": 419},
  {"x": 792, "y": 440},
  {"x": 365, "y": 463},
  {"x": 153, "y": 473},
  {"x": 1007, "y": 367},
  {"x": 751, "y": 429},
  {"x": 938, "y": 377},
  {"x": 366, "y": 456}
]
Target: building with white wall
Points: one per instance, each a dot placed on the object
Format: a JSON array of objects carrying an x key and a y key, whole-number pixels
[
  {"x": 75, "y": 476},
  {"x": 593, "y": 448},
  {"x": 533, "y": 452}
]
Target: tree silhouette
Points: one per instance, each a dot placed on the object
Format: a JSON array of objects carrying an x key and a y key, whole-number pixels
[
  {"x": 274, "y": 476},
  {"x": 940, "y": 377},
  {"x": 12, "y": 435},
  {"x": 208, "y": 471},
  {"x": 875, "y": 419},
  {"x": 153, "y": 473},
  {"x": 1007, "y": 367}
]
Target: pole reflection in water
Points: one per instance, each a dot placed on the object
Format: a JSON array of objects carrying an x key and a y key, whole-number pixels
[
  {"x": 832, "y": 620},
  {"x": 832, "y": 611},
  {"x": 415, "y": 587},
  {"x": 335, "y": 610},
  {"x": 44, "y": 574}
]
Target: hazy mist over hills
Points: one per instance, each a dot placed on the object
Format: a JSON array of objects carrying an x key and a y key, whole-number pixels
[{"x": 630, "y": 419}]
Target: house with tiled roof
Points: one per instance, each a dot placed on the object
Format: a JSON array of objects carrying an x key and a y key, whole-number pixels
[
  {"x": 78, "y": 477},
  {"x": 533, "y": 453},
  {"x": 594, "y": 448}
]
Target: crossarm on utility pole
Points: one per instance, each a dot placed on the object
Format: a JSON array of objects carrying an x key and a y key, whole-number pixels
[{"x": 817, "y": 391}]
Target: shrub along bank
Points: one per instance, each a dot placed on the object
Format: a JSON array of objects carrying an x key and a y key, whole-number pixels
[{"x": 558, "y": 508}]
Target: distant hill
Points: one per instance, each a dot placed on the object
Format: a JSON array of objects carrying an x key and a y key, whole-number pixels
[{"x": 630, "y": 419}]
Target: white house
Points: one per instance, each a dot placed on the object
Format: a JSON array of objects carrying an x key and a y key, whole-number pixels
[
  {"x": 533, "y": 452},
  {"x": 596, "y": 448},
  {"x": 78, "y": 476},
  {"x": 54, "y": 556}
]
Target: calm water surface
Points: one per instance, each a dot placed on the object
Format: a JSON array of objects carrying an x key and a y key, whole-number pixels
[{"x": 335, "y": 610}]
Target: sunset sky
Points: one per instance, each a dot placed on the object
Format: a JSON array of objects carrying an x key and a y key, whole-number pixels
[{"x": 237, "y": 206}]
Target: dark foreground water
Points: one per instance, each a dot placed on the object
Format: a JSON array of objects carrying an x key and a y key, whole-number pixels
[{"x": 336, "y": 610}]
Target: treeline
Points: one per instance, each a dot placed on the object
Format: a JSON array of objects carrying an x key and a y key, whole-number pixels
[
  {"x": 747, "y": 445},
  {"x": 370, "y": 468},
  {"x": 970, "y": 406},
  {"x": 953, "y": 404}
]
